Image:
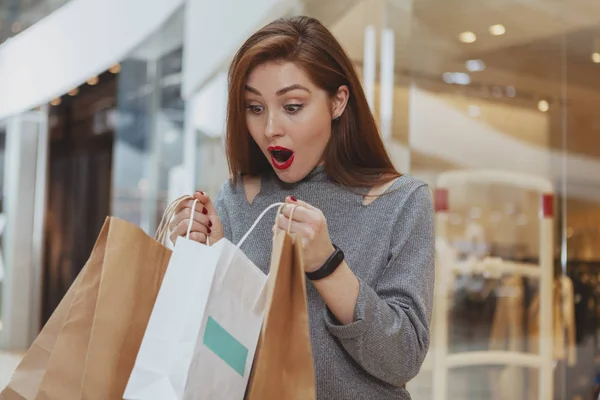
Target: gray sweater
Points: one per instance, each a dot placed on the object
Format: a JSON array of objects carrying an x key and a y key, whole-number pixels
[{"x": 389, "y": 244}]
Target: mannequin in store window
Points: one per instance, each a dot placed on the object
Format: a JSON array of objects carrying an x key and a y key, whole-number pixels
[{"x": 299, "y": 130}]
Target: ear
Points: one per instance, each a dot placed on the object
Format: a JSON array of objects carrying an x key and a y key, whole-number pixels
[{"x": 340, "y": 101}]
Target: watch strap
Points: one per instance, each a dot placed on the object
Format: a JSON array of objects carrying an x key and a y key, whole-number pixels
[{"x": 332, "y": 263}]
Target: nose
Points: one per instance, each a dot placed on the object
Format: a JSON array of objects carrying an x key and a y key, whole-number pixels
[{"x": 273, "y": 128}]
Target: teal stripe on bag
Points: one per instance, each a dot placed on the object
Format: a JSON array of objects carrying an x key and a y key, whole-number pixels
[{"x": 225, "y": 346}]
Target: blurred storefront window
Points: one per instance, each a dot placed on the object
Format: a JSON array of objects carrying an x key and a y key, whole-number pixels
[
  {"x": 502, "y": 94},
  {"x": 149, "y": 124}
]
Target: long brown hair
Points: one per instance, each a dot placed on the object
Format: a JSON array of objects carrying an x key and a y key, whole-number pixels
[{"x": 355, "y": 155}]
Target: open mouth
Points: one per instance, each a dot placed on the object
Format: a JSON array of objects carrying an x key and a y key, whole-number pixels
[{"x": 281, "y": 157}]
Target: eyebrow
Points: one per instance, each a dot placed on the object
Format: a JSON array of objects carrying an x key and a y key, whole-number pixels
[{"x": 280, "y": 92}]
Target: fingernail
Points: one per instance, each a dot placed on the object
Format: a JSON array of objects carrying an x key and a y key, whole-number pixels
[
  {"x": 209, "y": 231},
  {"x": 204, "y": 211},
  {"x": 293, "y": 198},
  {"x": 210, "y": 224}
]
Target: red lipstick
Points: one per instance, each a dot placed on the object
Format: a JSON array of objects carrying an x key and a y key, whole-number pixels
[{"x": 281, "y": 157}]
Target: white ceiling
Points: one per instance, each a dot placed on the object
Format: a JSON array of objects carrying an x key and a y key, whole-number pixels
[{"x": 544, "y": 54}]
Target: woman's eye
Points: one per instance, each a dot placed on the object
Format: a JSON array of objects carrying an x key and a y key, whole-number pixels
[
  {"x": 293, "y": 108},
  {"x": 254, "y": 108}
]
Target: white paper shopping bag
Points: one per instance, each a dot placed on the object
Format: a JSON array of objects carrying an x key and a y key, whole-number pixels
[
  {"x": 233, "y": 317},
  {"x": 204, "y": 328}
]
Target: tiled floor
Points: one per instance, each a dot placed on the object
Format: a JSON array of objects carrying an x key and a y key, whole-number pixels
[{"x": 8, "y": 364}]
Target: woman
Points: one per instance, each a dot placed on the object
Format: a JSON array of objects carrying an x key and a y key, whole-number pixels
[{"x": 299, "y": 128}]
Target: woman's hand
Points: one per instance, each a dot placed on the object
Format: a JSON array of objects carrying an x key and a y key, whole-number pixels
[
  {"x": 340, "y": 289},
  {"x": 309, "y": 225},
  {"x": 206, "y": 221}
]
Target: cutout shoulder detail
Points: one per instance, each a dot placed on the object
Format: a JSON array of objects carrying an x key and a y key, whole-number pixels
[
  {"x": 251, "y": 187},
  {"x": 377, "y": 191}
]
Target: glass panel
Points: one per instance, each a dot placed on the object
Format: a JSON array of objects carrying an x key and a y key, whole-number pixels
[
  {"x": 580, "y": 234},
  {"x": 209, "y": 113},
  {"x": 149, "y": 120},
  {"x": 507, "y": 90},
  {"x": 2, "y": 207}
]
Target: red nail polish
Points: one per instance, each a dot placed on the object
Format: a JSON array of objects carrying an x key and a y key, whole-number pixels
[
  {"x": 293, "y": 198},
  {"x": 210, "y": 224},
  {"x": 209, "y": 231},
  {"x": 204, "y": 211}
]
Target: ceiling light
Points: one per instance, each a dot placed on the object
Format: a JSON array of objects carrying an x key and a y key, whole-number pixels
[
  {"x": 56, "y": 101},
  {"x": 115, "y": 69},
  {"x": 475, "y": 65},
  {"x": 497, "y": 30},
  {"x": 93, "y": 81},
  {"x": 457, "y": 78},
  {"x": 596, "y": 58},
  {"x": 74, "y": 92},
  {"x": 467, "y": 37},
  {"x": 543, "y": 106}
]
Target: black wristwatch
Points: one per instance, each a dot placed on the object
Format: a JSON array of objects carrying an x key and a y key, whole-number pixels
[{"x": 334, "y": 261}]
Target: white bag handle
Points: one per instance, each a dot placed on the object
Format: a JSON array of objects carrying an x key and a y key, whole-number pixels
[
  {"x": 280, "y": 205},
  {"x": 163, "y": 226},
  {"x": 175, "y": 204}
]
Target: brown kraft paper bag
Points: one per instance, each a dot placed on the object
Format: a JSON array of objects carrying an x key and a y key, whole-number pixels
[
  {"x": 28, "y": 376},
  {"x": 62, "y": 379},
  {"x": 98, "y": 341},
  {"x": 283, "y": 364},
  {"x": 134, "y": 267}
]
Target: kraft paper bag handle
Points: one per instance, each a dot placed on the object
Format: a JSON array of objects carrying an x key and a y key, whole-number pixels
[
  {"x": 163, "y": 226},
  {"x": 291, "y": 216}
]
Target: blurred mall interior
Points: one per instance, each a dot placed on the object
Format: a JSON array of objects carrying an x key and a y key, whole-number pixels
[{"x": 116, "y": 107}]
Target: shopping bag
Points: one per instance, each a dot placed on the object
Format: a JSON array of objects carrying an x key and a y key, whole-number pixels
[
  {"x": 98, "y": 343},
  {"x": 283, "y": 366},
  {"x": 62, "y": 379},
  {"x": 202, "y": 335},
  {"x": 25, "y": 381},
  {"x": 100, "y": 320},
  {"x": 131, "y": 279}
]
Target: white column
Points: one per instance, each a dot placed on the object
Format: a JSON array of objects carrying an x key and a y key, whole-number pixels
[
  {"x": 370, "y": 64},
  {"x": 25, "y": 193}
]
